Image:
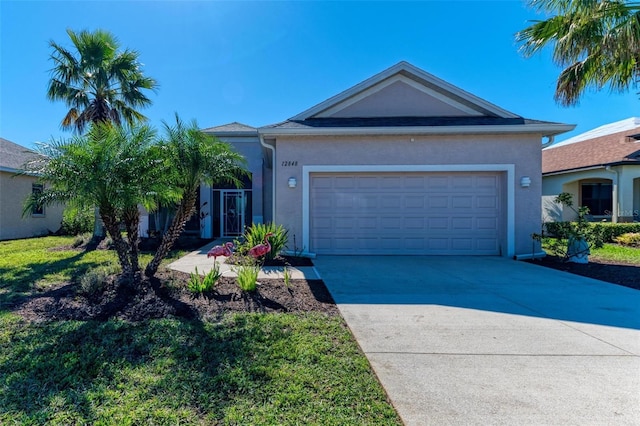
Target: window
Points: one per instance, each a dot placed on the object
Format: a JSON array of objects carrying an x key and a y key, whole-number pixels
[
  {"x": 598, "y": 197},
  {"x": 36, "y": 189}
]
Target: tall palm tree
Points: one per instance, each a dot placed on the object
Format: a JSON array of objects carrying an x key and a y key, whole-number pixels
[
  {"x": 192, "y": 157},
  {"x": 111, "y": 167},
  {"x": 98, "y": 82},
  {"x": 597, "y": 42}
]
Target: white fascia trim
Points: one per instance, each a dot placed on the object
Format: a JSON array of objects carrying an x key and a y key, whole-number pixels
[
  {"x": 420, "y": 87},
  {"x": 543, "y": 129},
  {"x": 509, "y": 169}
]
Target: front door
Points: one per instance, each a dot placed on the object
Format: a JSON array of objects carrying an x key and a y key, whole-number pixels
[{"x": 232, "y": 205}]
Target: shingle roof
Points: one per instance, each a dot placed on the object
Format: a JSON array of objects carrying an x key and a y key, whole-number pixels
[
  {"x": 13, "y": 156},
  {"x": 606, "y": 149},
  {"x": 395, "y": 122},
  {"x": 230, "y": 127}
]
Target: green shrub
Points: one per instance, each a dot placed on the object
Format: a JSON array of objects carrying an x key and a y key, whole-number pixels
[
  {"x": 199, "y": 285},
  {"x": 248, "y": 277},
  {"x": 608, "y": 231},
  {"x": 631, "y": 239},
  {"x": 94, "y": 281},
  {"x": 76, "y": 221},
  {"x": 255, "y": 234}
]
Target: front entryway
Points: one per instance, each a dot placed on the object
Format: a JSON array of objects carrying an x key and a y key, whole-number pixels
[{"x": 233, "y": 209}]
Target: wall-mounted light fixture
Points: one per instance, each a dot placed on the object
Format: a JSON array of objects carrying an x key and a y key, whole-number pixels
[
  {"x": 525, "y": 181},
  {"x": 292, "y": 182}
]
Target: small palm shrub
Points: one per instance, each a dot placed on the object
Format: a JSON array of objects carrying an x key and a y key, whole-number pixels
[
  {"x": 199, "y": 285},
  {"x": 631, "y": 239},
  {"x": 248, "y": 277},
  {"x": 255, "y": 234}
]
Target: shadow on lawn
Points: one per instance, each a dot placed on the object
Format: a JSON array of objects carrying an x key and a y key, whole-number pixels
[
  {"x": 87, "y": 371},
  {"x": 22, "y": 282}
]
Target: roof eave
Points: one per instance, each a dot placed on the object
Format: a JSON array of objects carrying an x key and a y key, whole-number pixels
[
  {"x": 592, "y": 167},
  {"x": 545, "y": 129}
]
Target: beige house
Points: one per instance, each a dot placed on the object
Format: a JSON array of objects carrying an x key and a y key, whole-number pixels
[
  {"x": 402, "y": 163},
  {"x": 600, "y": 168},
  {"x": 13, "y": 192}
]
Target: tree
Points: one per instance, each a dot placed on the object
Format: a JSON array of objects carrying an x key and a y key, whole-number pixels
[
  {"x": 98, "y": 82},
  {"x": 597, "y": 42},
  {"x": 111, "y": 167},
  {"x": 192, "y": 157}
]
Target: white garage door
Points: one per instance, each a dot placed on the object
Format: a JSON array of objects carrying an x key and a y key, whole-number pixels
[{"x": 406, "y": 213}]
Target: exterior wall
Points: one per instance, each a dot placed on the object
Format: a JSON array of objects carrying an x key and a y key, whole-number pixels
[
  {"x": 623, "y": 177},
  {"x": 13, "y": 193},
  {"x": 628, "y": 209},
  {"x": 521, "y": 151}
]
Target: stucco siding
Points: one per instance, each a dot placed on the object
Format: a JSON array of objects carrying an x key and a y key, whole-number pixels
[
  {"x": 521, "y": 151},
  {"x": 13, "y": 192}
]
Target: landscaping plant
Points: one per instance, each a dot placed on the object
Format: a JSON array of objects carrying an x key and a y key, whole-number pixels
[
  {"x": 255, "y": 234},
  {"x": 248, "y": 277},
  {"x": 199, "y": 285},
  {"x": 573, "y": 239},
  {"x": 631, "y": 239}
]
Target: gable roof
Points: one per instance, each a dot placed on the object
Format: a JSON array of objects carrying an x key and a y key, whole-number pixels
[
  {"x": 232, "y": 129},
  {"x": 404, "y": 98},
  {"x": 13, "y": 156},
  {"x": 614, "y": 144}
]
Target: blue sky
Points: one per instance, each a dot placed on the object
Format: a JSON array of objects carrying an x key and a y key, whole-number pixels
[{"x": 263, "y": 62}]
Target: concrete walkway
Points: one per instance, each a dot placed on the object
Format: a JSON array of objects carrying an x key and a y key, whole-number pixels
[
  {"x": 492, "y": 341},
  {"x": 198, "y": 259}
]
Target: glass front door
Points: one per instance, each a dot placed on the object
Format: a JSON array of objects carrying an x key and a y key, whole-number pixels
[{"x": 233, "y": 207}]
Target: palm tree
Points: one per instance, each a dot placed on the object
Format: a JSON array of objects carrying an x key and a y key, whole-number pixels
[
  {"x": 597, "y": 42},
  {"x": 192, "y": 157},
  {"x": 98, "y": 82},
  {"x": 111, "y": 167}
]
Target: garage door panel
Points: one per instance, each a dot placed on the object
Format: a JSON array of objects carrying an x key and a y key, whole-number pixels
[{"x": 411, "y": 213}]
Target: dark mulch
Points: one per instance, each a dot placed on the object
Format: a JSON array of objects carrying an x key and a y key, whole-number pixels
[
  {"x": 612, "y": 272},
  {"x": 167, "y": 296}
]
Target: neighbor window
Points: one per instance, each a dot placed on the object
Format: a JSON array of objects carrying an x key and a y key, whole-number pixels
[
  {"x": 598, "y": 197},
  {"x": 36, "y": 189}
]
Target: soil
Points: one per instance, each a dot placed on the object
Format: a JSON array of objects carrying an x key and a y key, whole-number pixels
[
  {"x": 612, "y": 272},
  {"x": 166, "y": 295}
]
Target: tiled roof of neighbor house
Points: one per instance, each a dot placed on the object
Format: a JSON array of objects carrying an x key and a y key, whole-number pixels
[
  {"x": 230, "y": 128},
  {"x": 616, "y": 143},
  {"x": 13, "y": 156}
]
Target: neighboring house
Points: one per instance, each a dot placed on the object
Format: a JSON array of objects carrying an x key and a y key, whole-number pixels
[
  {"x": 402, "y": 163},
  {"x": 600, "y": 168},
  {"x": 13, "y": 192}
]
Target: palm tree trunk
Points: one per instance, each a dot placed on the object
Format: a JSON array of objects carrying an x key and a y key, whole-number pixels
[
  {"x": 183, "y": 214},
  {"x": 131, "y": 222},
  {"x": 121, "y": 246}
]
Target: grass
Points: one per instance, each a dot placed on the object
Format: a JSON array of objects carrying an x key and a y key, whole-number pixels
[
  {"x": 38, "y": 263},
  {"x": 613, "y": 253},
  {"x": 259, "y": 369},
  {"x": 617, "y": 253}
]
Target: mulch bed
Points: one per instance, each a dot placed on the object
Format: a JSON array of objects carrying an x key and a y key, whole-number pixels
[
  {"x": 611, "y": 272},
  {"x": 167, "y": 296}
]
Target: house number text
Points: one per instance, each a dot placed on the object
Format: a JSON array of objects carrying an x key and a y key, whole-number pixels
[{"x": 288, "y": 163}]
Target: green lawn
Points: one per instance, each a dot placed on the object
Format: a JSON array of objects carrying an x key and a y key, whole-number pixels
[
  {"x": 259, "y": 369},
  {"x": 617, "y": 253}
]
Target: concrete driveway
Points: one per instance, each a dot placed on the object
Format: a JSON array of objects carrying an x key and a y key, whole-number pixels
[{"x": 488, "y": 340}]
